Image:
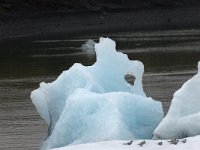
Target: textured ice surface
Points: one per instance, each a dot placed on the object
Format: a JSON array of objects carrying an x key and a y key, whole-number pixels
[
  {"x": 183, "y": 118},
  {"x": 95, "y": 103}
]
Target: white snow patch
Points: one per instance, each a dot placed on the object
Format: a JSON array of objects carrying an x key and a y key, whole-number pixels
[{"x": 192, "y": 143}]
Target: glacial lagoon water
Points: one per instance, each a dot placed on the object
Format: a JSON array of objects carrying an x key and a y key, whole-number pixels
[{"x": 170, "y": 58}]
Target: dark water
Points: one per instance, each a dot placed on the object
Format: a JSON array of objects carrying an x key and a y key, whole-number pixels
[{"x": 170, "y": 58}]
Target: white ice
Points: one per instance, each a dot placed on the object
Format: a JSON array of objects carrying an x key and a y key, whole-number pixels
[
  {"x": 183, "y": 117},
  {"x": 192, "y": 143},
  {"x": 95, "y": 103}
]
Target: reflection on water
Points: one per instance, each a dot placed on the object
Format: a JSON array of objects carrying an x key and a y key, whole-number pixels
[{"x": 170, "y": 58}]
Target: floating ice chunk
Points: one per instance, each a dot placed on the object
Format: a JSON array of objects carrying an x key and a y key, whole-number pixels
[
  {"x": 183, "y": 118},
  {"x": 95, "y": 103}
]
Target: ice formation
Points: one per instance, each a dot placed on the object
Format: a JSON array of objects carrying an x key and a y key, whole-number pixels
[
  {"x": 95, "y": 103},
  {"x": 183, "y": 118}
]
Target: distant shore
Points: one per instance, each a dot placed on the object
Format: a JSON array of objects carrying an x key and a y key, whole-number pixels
[{"x": 90, "y": 22}]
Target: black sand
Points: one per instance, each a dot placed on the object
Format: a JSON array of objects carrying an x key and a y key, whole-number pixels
[{"x": 63, "y": 21}]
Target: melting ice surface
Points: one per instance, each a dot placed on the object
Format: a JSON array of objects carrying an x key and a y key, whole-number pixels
[
  {"x": 183, "y": 118},
  {"x": 95, "y": 103}
]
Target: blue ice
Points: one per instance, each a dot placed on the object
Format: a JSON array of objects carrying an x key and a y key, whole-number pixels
[{"x": 95, "y": 103}]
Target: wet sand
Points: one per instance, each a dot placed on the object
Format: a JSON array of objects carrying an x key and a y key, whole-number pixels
[{"x": 66, "y": 23}]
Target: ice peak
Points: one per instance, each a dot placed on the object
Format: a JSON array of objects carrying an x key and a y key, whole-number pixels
[{"x": 104, "y": 47}]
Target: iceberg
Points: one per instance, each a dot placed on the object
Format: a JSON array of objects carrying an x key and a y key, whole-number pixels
[
  {"x": 95, "y": 103},
  {"x": 183, "y": 117}
]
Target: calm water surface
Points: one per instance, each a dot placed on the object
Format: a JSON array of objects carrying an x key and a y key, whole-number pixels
[{"x": 170, "y": 58}]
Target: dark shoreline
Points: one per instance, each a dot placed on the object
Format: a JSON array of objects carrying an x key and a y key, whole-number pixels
[{"x": 65, "y": 23}]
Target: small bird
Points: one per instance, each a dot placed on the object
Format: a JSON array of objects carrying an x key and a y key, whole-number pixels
[
  {"x": 184, "y": 141},
  {"x": 129, "y": 143},
  {"x": 160, "y": 143},
  {"x": 174, "y": 141},
  {"x": 142, "y": 143}
]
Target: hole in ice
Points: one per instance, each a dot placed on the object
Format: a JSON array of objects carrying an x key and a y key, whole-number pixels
[{"x": 130, "y": 79}]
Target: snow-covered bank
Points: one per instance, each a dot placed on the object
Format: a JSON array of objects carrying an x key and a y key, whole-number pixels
[{"x": 192, "y": 143}]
